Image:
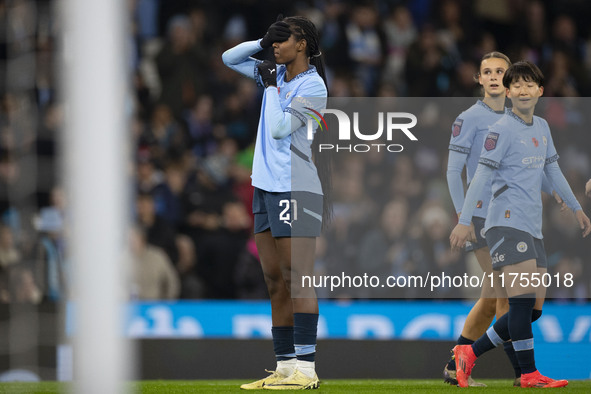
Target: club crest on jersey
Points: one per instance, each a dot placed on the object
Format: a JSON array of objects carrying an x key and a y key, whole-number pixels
[
  {"x": 522, "y": 247},
  {"x": 535, "y": 141},
  {"x": 479, "y": 204},
  {"x": 507, "y": 214},
  {"x": 490, "y": 142},
  {"x": 457, "y": 127},
  {"x": 545, "y": 140},
  {"x": 288, "y": 94}
]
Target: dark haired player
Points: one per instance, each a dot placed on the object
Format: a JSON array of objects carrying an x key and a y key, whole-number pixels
[
  {"x": 288, "y": 199},
  {"x": 468, "y": 133},
  {"x": 517, "y": 152}
]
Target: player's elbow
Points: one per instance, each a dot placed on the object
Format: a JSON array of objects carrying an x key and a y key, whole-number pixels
[
  {"x": 453, "y": 173},
  {"x": 279, "y": 131},
  {"x": 277, "y": 135},
  {"x": 227, "y": 58}
]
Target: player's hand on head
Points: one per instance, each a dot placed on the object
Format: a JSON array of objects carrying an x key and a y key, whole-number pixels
[
  {"x": 459, "y": 236},
  {"x": 268, "y": 73},
  {"x": 584, "y": 222},
  {"x": 277, "y": 32}
]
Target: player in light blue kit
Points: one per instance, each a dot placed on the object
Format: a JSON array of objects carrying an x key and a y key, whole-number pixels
[
  {"x": 467, "y": 138},
  {"x": 518, "y": 150},
  {"x": 290, "y": 189}
]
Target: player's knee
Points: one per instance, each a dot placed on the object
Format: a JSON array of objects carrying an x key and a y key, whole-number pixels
[{"x": 275, "y": 284}]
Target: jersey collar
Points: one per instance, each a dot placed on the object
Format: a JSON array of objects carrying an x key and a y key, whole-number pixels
[
  {"x": 485, "y": 106},
  {"x": 517, "y": 118},
  {"x": 309, "y": 71}
]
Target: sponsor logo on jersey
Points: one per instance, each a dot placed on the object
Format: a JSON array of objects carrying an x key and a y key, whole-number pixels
[
  {"x": 522, "y": 247},
  {"x": 457, "y": 127},
  {"x": 498, "y": 258},
  {"x": 534, "y": 161},
  {"x": 490, "y": 142}
]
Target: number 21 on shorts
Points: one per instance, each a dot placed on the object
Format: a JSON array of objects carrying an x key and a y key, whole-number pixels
[{"x": 290, "y": 211}]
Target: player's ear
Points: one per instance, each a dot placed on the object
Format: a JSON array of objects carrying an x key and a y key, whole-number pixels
[
  {"x": 301, "y": 45},
  {"x": 541, "y": 91},
  {"x": 507, "y": 93}
]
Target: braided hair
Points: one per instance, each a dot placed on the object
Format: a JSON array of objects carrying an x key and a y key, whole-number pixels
[{"x": 303, "y": 29}]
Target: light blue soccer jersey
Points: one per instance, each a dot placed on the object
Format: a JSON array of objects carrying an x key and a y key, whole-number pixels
[
  {"x": 286, "y": 164},
  {"x": 283, "y": 156},
  {"x": 518, "y": 151},
  {"x": 467, "y": 136}
]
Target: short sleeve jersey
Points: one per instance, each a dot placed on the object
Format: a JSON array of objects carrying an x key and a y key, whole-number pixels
[
  {"x": 518, "y": 151},
  {"x": 467, "y": 136},
  {"x": 285, "y": 164}
]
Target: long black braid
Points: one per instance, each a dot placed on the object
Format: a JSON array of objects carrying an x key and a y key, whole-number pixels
[{"x": 303, "y": 29}]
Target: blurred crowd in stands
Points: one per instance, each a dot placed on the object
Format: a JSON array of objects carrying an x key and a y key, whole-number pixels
[{"x": 194, "y": 123}]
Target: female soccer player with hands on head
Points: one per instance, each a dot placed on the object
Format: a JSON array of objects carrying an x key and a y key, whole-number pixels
[{"x": 290, "y": 190}]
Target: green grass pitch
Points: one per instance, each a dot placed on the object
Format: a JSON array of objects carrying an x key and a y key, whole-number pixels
[{"x": 357, "y": 386}]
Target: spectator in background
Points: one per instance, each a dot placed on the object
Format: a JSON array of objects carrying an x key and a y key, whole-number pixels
[
  {"x": 171, "y": 205},
  {"x": 149, "y": 179},
  {"x": 158, "y": 232},
  {"x": 181, "y": 66},
  {"x": 248, "y": 275},
  {"x": 436, "y": 225},
  {"x": 220, "y": 249},
  {"x": 333, "y": 37},
  {"x": 164, "y": 135},
  {"x": 386, "y": 250},
  {"x": 451, "y": 33},
  {"x": 51, "y": 270},
  {"x": 426, "y": 74},
  {"x": 10, "y": 257},
  {"x": 23, "y": 288},
  {"x": 400, "y": 34},
  {"x": 588, "y": 188},
  {"x": 562, "y": 82},
  {"x": 153, "y": 276},
  {"x": 406, "y": 182},
  {"x": 192, "y": 286},
  {"x": 199, "y": 121},
  {"x": 46, "y": 151},
  {"x": 367, "y": 46}
]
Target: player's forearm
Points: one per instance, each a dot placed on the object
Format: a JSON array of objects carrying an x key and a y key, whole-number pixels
[
  {"x": 238, "y": 58},
  {"x": 279, "y": 123},
  {"x": 455, "y": 165},
  {"x": 560, "y": 184},
  {"x": 547, "y": 186},
  {"x": 481, "y": 177}
]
